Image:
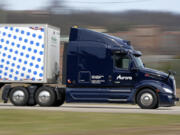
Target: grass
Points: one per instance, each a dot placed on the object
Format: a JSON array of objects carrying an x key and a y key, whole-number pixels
[{"x": 20, "y": 122}]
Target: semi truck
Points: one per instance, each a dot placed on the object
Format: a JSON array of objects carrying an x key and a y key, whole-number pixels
[{"x": 92, "y": 67}]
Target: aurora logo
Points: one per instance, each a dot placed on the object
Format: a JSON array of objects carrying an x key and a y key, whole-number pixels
[{"x": 119, "y": 77}]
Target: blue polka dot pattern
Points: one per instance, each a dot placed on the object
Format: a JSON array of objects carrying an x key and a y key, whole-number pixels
[
  {"x": 23, "y": 47},
  {"x": 37, "y": 44},
  {"x": 4, "y": 33},
  {"x": 14, "y": 37},
  {"x": 23, "y": 68},
  {"x": 4, "y": 54},
  {"x": 20, "y": 38},
  {"x": 22, "y": 32},
  {"x": 25, "y": 62},
  {"x": 10, "y": 50},
  {"x": 17, "y": 30},
  {"x": 41, "y": 75},
  {"x": 39, "y": 59},
  {"x": 27, "y": 55},
  {"x": 9, "y": 35},
  {"x": 35, "y": 50},
  {"x": 34, "y": 35},
  {"x": 33, "y": 57},
  {"x": 12, "y": 43},
  {"x": 17, "y": 72},
  {"x": 29, "y": 70},
  {"x": 25, "y": 40},
  {"x": 21, "y": 53},
  {"x": 10, "y": 76},
  {"x": 9, "y": 56},
  {"x": 14, "y": 58},
  {"x": 2, "y": 40},
  {"x": 11, "y": 28},
  {"x": 31, "y": 42},
  {"x": 7, "y": 42},
  {"x": 37, "y": 66},
  {"x": 35, "y": 72}
]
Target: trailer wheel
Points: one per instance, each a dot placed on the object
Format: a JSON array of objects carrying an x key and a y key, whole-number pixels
[
  {"x": 45, "y": 96},
  {"x": 19, "y": 96},
  {"x": 147, "y": 99}
]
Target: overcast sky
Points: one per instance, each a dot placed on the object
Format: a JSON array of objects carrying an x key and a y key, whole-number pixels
[{"x": 101, "y": 5}]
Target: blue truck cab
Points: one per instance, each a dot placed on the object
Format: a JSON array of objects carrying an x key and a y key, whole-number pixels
[{"x": 104, "y": 68}]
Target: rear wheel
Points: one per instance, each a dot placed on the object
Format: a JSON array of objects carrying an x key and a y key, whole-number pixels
[
  {"x": 45, "y": 96},
  {"x": 147, "y": 99},
  {"x": 19, "y": 96}
]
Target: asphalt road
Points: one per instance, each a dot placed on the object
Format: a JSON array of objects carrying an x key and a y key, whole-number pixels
[{"x": 109, "y": 108}]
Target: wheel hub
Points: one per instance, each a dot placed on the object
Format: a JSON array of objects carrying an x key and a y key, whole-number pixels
[
  {"x": 44, "y": 96},
  {"x": 18, "y": 96},
  {"x": 146, "y": 99}
]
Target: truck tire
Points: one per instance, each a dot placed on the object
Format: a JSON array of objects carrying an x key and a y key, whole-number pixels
[
  {"x": 147, "y": 99},
  {"x": 45, "y": 96},
  {"x": 19, "y": 96}
]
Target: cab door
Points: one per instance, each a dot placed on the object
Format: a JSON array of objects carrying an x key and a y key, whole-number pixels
[{"x": 122, "y": 76}]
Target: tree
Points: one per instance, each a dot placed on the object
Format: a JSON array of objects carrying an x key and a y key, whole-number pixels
[
  {"x": 2, "y": 12},
  {"x": 56, "y": 7}
]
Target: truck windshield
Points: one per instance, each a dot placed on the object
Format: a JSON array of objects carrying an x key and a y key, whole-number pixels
[{"x": 139, "y": 62}]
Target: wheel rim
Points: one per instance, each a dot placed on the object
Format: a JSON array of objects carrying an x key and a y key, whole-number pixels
[
  {"x": 18, "y": 96},
  {"x": 44, "y": 97},
  {"x": 146, "y": 99}
]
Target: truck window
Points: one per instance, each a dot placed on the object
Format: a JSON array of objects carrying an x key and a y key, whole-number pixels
[{"x": 121, "y": 61}]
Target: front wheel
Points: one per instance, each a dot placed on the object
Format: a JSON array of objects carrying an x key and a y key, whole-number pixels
[{"x": 147, "y": 99}]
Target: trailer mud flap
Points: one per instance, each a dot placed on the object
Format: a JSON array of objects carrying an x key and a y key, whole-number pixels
[{"x": 5, "y": 93}]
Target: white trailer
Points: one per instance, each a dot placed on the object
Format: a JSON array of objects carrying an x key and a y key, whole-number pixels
[
  {"x": 29, "y": 64},
  {"x": 29, "y": 53}
]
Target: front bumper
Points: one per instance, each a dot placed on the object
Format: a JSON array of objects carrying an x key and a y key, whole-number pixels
[{"x": 167, "y": 100}]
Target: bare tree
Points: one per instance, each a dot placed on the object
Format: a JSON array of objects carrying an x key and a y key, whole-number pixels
[
  {"x": 2, "y": 5},
  {"x": 2, "y": 12},
  {"x": 56, "y": 7}
]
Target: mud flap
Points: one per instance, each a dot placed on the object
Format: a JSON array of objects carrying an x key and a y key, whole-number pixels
[{"x": 5, "y": 93}]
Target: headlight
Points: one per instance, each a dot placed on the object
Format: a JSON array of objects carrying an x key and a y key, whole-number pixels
[{"x": 168, "y": 90}]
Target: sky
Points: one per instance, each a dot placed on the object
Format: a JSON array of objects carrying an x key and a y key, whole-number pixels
[{"x": 101, "y": 5}]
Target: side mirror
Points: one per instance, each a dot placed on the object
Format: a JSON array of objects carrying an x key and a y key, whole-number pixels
[{"x": 171, "y": 72}]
